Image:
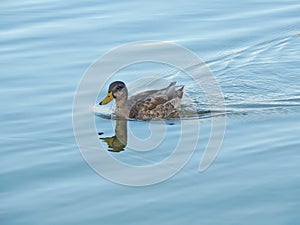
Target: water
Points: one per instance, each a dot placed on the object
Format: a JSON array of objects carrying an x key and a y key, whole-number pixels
[{"x": 251, "y": 47}]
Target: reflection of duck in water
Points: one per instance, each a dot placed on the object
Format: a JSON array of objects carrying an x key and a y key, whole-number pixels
[
  {"x": 146, "y": 105},
  {"x": 118, "y": 142}
]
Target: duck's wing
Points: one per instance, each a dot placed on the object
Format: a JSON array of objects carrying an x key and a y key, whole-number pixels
[
  {"x": 156, "y": 106},
  {"x": 145, "y": 108}
]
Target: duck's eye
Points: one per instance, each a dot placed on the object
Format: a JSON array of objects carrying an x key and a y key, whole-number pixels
[{"x": 119, "y": 88}]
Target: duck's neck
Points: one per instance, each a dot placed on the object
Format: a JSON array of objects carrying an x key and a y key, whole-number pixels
[{"x": 122, "y": 106}]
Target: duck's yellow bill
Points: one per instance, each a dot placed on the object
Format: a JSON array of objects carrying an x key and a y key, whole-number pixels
[{"x": 109, "y": 97}]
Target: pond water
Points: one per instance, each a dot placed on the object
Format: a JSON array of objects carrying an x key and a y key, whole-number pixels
[{"x": 251, "y": 48}]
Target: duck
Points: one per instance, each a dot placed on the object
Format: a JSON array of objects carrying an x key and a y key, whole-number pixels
[{"x": 161, "y": 104}]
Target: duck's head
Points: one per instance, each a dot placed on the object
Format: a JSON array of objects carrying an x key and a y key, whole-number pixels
[{"x": 116, "y": 90}]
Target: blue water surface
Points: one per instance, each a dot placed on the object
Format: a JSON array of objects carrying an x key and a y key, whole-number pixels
[{"x": 252, "y": 47}]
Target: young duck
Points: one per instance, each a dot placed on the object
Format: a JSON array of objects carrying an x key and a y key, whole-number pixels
[{"x": 162, "y": 103}]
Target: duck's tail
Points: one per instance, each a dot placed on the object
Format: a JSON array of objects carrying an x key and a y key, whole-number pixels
[{"x": 179, "y": 92}]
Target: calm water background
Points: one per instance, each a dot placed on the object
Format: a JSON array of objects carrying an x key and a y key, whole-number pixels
[{"x": 252, "y": 47}]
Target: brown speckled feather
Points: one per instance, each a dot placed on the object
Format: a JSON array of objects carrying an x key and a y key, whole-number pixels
[{"x": 156, "y": 104}]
